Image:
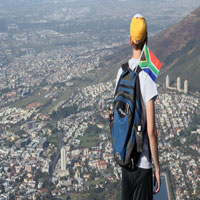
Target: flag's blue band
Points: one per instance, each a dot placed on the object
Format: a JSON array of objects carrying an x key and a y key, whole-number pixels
[{"x": 150, "y": 73}]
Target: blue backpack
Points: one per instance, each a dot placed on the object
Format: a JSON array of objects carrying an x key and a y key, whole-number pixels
[{"x": 127, "y": 130}]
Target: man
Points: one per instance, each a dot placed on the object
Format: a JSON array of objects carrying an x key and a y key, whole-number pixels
[{"x": 137, "y": 183}]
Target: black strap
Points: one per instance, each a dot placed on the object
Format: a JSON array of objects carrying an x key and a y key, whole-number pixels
[
  {"x": 137, "y": 97},
  {"x": 138, "y": 69},
  {"x": 137, "y": 93}
]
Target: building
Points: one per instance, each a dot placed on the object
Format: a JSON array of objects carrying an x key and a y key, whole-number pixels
[
  {"x": 167, "y": 81},
  {"x": 63, "y": 159},
  {"x": 101, "y": 164},
  {"x": 28, "y": 167},
  {"x": 185, "y": 86},
  {"x": 101, "y": 104},
  {"x": 179, "y": 84},
  {"x": 21, "y": 143},
  {"x": 29, "y": 125},
  {"x": 43, "y": 144}
]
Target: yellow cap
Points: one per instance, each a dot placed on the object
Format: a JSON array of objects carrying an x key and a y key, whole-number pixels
[{"x": 138, "y": 29}]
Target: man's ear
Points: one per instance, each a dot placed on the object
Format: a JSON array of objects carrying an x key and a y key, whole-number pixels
[{"x": 130, "y": 41}]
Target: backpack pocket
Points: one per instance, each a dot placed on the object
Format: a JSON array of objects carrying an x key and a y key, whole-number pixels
[{"x": 120, "y": 131}]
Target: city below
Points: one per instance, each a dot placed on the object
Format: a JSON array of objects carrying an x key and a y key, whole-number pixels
[{"x": 55, "y": 89}]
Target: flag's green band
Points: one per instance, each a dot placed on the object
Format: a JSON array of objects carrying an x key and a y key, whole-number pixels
[{"x": 148, "y": 63}]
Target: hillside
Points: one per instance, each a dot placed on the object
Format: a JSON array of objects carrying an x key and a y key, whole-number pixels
[{"x": 178, "y": 48}]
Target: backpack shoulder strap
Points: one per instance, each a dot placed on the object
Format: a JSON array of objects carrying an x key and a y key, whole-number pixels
[
  {"x": 124, "y": 67},
  {"x": 138, "y": 69},
  {"x": 137, "y": 94}
]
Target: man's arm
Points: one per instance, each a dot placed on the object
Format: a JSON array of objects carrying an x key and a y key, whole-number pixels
[{"x": 152, "y": 134}]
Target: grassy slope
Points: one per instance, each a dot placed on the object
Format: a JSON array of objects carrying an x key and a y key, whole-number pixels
[{"x": 187, "y": 67}]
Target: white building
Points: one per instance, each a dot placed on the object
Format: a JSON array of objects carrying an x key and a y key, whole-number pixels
[
  {"x": 185, "y": 86},
  {"x": 179, "y": 84},
  {"x": 167, "y": 81},
  {"x": 63, "y": 159}
]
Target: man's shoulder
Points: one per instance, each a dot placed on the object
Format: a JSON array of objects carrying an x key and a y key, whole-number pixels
[
  {"x": 147, "y": 86},
  {"x": 119, "y": 70},
  {"x": 142, "y": 77}
]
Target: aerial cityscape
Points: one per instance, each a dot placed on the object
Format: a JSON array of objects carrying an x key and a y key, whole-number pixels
[{"x": 56, "y": 84}]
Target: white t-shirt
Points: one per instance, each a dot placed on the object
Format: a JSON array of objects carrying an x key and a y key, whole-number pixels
[{"x": 148, "y": 91}]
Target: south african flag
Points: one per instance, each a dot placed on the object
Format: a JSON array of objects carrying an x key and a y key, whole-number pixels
[{"x": 150, "y": 63}]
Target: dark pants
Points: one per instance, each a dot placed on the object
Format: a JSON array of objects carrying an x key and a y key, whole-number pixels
[{"x": 137, "y": 184}]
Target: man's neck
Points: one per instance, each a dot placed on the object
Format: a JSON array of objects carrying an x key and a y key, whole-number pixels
[{"x": 136, "y": 53}]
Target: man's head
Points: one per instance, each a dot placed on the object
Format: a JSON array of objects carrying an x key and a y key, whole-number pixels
[{"x": 138, "y": 32}]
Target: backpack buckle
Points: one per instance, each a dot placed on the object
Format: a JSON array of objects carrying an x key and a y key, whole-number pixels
[{"x": 139, "y": 138}]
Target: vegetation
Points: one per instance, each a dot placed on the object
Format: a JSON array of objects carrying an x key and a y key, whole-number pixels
[
  {"x": 53, "y": 139},
  {"x": 34, "y": 97},
  {"x": 95, "y": 182},
  {"x": 90, "y": 137},
  {"x": 186, "y": 66},
  {"x": 63, "y": 112}
]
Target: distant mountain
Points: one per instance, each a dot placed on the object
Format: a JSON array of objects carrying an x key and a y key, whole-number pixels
[{"x": 179, "y": 49}]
